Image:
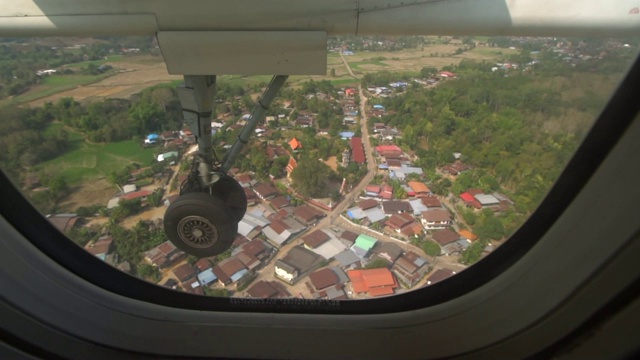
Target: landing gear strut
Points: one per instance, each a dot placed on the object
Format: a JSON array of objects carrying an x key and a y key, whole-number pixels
[{"x": 204, "y": 220}]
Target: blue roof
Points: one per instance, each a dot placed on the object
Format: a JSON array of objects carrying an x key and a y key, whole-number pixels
[
  {"x": 347, "y": 134},
  {"x": 378, "y": 106},
  {"x": 235, "y": 277},
  {"x": 153, "y": 136},
  {"x": 207, "y": 277}
]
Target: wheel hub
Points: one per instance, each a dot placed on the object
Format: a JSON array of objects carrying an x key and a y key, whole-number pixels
[{"x": 197, "y": 231}]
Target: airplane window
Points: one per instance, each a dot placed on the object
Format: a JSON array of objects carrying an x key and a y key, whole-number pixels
[{"x": 411, "y": 160}]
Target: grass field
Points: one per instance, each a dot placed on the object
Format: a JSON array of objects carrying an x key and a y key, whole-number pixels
[
  {"x": 88, "y": 162},
  {"x": 52, "y": 85}
]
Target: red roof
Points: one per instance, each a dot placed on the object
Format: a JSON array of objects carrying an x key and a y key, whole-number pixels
[
  {"x": 358, "y": 150},
  {"x": 295, "y": 144},
  {"x": 374, "y": 281},
  {"x": 383, "y": 148},
  {"x": 467, "y": 197},
  {"x": 136, "y": 194}
]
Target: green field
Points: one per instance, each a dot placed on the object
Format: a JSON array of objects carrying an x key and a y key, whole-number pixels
[
  {"x": 84, "y": 64},
  {"x": 55, "y": 84},
  {"x": 89, "y": 161}
]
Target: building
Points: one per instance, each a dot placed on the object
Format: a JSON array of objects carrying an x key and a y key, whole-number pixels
[
  {"x": 439, "y": 275},
  {"x": 388, "y": 251},
  {"x": 396, "y": 207},
  {"x": 410, "y": 268},
  {"x": 164, "y": 255},
  {"x": 268, "y": 290},
  {"x": 230, "y": 270},
  {"x": 399, "y": 221},
  {"x": 101, "y": 247},
  {"x": 357, "y": 150},
  {"x": 296, "y": 264},
  {"x": 468, "y": 235},
  {"x": 436, "y": 219},
  {"x": 185, "y": 274},
  {"x": 419, "y": 188},
  {"x": 323, "y": 278},
  {"x": 376, "y": 282},
  {"x": 265, "y": 191},
  {"x": 307, "y": 214},
  {"x": 315, "y": 239},
  {"x": 63, "y": 222},
  {"x": 446, "y": 236},
  {"x": 363, "y": 245},
  {"x": 295, "y": 144}
]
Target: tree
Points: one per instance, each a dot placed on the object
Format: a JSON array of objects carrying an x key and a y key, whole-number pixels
[
  {"x": 310, "y": 177},
  {"x": 473, "y": 253},
  {"x": 431, "y": 248},
  {"x": 377, "y": 264}
]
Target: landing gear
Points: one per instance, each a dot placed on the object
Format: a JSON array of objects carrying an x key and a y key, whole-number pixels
[
  {"x": 204, "y": 220},
  {"x": 200, "y": 225}
]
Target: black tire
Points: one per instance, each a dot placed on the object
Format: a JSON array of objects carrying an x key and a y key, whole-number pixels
[
  {"x": 229, "y": 191},
  {"x": 232, "y": 194},
  {"x": 200, "y": 225}
]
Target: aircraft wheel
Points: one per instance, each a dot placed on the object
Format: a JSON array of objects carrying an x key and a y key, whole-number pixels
[
  {"x": 200, "y": 225},
  {"x": 232, "y": 194}
]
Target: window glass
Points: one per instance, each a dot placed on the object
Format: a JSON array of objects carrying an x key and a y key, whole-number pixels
[{"x": 409, "y": 161}]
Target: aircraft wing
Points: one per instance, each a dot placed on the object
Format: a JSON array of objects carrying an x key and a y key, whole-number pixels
[{"x": 200, "y": 37}]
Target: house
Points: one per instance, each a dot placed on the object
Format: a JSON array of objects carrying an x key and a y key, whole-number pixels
[
  {"x": 142, "y": 195},
  {"x": 164, "y": 255},
  {"x": 279, "y": 202},
  {"x": 439, "y": 275},
  {"x": 315, "y": 239},
  {"x": 101, "y": 247},
  {"x": 470, "y": 200},
  {"x": 388, "y": 151},
  {"x": 330, "y": 248},
  {"x": 386, "y": 192},
  {"x": 268, "y": 290},
  {"x": 417, "y": 206},
  {"x": 399, "y": 221},
  {"x": 295, "y": 144},
  {"x": 230, "y": 270},
  {"x": 258, "y": 249},
  {"x": 323, "y": 279},
  {"x": 447, "y": 74},
  {"x": 363, "y": 245},
  {"x": 348, "y": 237},
  {"x": 411, "y": 229},
  {"x": 274, "y": 151},
  {"x": 376, "y": 282},
  {"x": 357, "y": 150},
  {"x": 388, "y": 251},
  {"x": 436, "y": 219},
  {"x": 251, "y": 225},
  {"x": 185, "y": 274},
  {"x": 207, "y": 277},
  {"x": 280, "y": 231},
  {"x": 63, "y": 222},
  {"x": 487, "y": 200},
  {"x": 367, "y": 203},
  {"x": 202, "y": 265},
  {"x": 291, "y": 165},
  {"x": 431, "y": 202},
  {"x": 410, "y": 268},
  {"x": 446, "y": 236},
  {"x": 350, "y": 92},
  {"x": 419, "y": 188},
  {"x": 252, "y": 197},
  {"x": 307, "y": 214},
  {"x": 245, "y": 180},
  {"x": 372, "y": 190},
  {"x": 466, "y": 234},
  {"x": 265, "y": 191},
  {"x": 396, "y": 207},
  {"x": 297, "y": 263},
  {"x": 348, "y": 259},
  {"x": 456, "y": 168}
]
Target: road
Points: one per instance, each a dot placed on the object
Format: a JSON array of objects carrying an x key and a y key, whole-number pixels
[{"x": 333, "y": 217}]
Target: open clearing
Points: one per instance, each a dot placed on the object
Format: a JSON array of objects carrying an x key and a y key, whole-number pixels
[
  {"x": 90, "y": 162},
  {"x": 133, "y": 74}
]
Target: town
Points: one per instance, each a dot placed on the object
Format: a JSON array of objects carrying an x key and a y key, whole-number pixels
[{"x": 369, "y": 189}]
